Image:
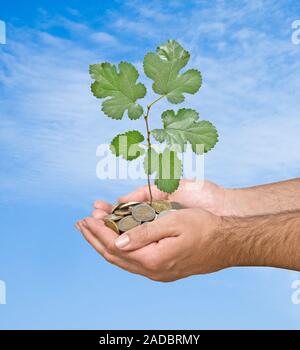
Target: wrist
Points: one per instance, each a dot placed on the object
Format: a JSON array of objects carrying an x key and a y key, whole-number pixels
[
  {"x": 220, "y": 234},
  {"x": 240, "y": 248},
  {"x": 247, "y": 242},
  {"x": 263, "y": 240},
  {"x": 232, "y": 203},
  {"x": 243, "y": 202}
]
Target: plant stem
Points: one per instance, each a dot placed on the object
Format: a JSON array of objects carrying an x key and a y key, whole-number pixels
[
  {"x": 149, "y": 147},
  {"x": 152, "y": 103},
  {"x": 146, "y": 117}
]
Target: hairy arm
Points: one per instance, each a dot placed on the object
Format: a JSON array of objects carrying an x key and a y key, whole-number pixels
[
  {"x": 194, "y": 241},
  {"x": 266, "y": 240},
  {"x": 270, "y": 198}
]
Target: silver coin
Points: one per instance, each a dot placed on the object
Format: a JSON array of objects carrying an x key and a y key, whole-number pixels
[
  {"x": 129, "y": 204},
  {"x": 113, "y": 217},
  {"x": 127, "y": 223},
  {"x": 122, "y": 212},
  {"x": 143, "y": 212},
  {"x": 112, "y": 225},
  {"x": 161, "y": 205},
  {"x": 116, "y": 206}
]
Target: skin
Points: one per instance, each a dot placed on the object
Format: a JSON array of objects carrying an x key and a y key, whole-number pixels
[
  {"x": 161, "y": 254},
  {"x": 220, "y": 228},
  {"x": 191, "y": 194}
]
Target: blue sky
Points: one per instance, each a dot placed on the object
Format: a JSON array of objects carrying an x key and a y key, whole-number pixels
[{"x": 50, "y": 126}]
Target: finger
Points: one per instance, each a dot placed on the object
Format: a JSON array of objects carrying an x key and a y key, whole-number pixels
[
  {"x": 145, "y": 261},
  {"x": 77, "y": 225},
  {"x": 125, "y": 264},
  {"x": 99, "y": 214},
  {"x": 142, "y": 194},
  {"x": 113, "y": 259},
  {"x": 147, "y": 233},
  {"x": 98, "y": 204},
  {"x": 104, "y": 234},
  {"x": 91, "y": 238},
  {"x": 107, "y": 238}
]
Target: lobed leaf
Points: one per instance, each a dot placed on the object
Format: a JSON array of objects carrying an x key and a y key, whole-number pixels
[
  {"x": 167, "y": 168},
  {"x": 163, "y": 68},
  {"x": 183, "y": 128},
  {"x": 127, "y": 145},
  {"x": 120, "y": 86}
]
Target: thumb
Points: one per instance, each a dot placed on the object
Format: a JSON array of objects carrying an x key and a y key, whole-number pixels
[{"x": 145, "y": 234}]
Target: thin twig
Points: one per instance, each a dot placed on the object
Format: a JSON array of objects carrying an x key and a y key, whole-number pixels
[{"x": 146, "y": 117}]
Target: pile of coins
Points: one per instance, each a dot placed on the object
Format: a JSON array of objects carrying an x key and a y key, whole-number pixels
[{"x": 125, "y": 216}]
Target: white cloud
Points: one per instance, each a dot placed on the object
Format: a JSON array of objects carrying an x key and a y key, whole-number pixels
[
  {"x": 103, "y": 37},
  {"x": 73, "y": 12},
  {"x": 51, "y": 124},
  {"x": 50, "y": 121},
  {"x": 78, "y": 31},
  {"x": 71, "y": 25}
]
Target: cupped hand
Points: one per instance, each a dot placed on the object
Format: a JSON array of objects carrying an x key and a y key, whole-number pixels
[
  {"x": 190, "y": 193},
  {"x": 177, "y": 245}
]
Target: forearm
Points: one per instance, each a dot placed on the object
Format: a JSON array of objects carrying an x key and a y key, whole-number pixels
[
  {"x": 270, "y": 198},
  {"x": 266, "y": 240}
]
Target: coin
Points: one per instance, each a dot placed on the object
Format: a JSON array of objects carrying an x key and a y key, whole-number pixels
[
  {"x": 113, "y": 217},
  {"x": 127, "y": 223},
  {"x": 165, "y": 212},
  {"x": 176, "y": 205},
  {"x": 161, "y": 205},
  {"x": 143, "y": 212},
  {"x": 129, "y": 204},
  {"x": 111, "y": 224},
  {"x": 115, "y": 207},
  {"x": 122, "y": 212}
]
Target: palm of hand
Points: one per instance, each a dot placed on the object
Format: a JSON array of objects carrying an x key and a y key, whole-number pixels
[
  {"x": 164, "y": 257},
  {"x": 191, "y": 194}
]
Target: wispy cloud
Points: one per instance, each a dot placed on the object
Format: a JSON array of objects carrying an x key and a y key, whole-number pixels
[
  {"x": 104, "y": 37},
  {"x": 251, "y": 81},
  {"x": 51, "y": 124}
]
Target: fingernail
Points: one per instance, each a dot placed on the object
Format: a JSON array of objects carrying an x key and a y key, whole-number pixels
[{"x": 122, "y": 241}]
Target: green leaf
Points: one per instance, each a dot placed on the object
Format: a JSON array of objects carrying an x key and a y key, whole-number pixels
[
  {"x": 126, "y": 145},
  {"x": 167, "y": 166},
  {"x": 184, "y": 127},
  {"x": 164, "y": 66},
  {"x": 120, "y": 86}
]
